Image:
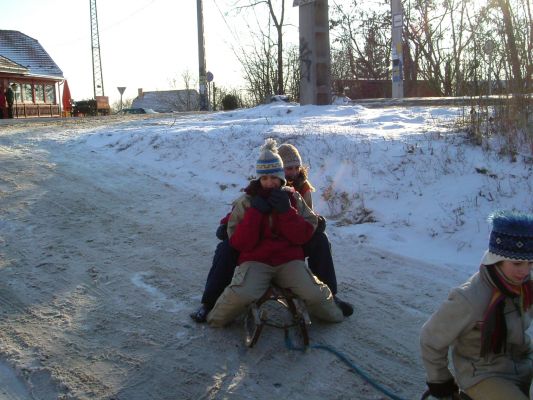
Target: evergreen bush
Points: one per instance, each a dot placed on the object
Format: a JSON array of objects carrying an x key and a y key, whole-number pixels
[{"x": 230, "y": 102}]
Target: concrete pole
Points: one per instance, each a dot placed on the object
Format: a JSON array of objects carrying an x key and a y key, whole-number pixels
[
  {"x": 202, "y": 78},
  {"x": 315, "y": 59},
  {"x": 397, "y": 49}
]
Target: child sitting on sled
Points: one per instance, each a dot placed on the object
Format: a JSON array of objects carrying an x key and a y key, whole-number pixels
[
  {"x": 268, "y": 226},
  {"x": 317, "y": 249}
]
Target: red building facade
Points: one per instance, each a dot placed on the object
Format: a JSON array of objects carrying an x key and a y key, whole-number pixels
[{"x": 30, "y": 73}]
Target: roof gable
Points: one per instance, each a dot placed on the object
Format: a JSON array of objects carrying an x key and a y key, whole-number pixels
[
  {"x": 6, "y": 65},
  {"x": 27, "y": 53}
]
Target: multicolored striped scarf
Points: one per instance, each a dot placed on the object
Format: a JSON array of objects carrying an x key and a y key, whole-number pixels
[{"x": 494, "y": 328}]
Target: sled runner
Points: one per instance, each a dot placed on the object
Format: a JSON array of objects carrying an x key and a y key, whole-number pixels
[{"x": 271, "y": 310}]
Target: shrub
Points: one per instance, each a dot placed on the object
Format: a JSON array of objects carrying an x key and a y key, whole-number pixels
[{"x": 230, "y": 102}]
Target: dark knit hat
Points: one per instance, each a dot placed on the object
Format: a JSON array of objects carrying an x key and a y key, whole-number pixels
[
  {"x": 290, "y": 155},
  {"x": 511, "y": 237},
  {"x": 269, "y": 161}
]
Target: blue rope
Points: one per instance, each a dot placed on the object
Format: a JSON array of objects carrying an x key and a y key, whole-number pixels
[{"x": 343, "y": 358}]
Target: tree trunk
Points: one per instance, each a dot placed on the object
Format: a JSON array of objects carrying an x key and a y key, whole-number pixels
[
  {"x": 512, "y": 54},
  {"x": 279, "y": 28},
  {"x": 280, "y": 89}
]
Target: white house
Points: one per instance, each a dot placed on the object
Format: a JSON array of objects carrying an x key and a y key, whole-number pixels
[{"x": 167, "y": 100}]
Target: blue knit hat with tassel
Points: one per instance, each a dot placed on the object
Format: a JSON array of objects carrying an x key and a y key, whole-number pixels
[
  {"x": 511, "y": 237},
  {"x": 269, "y": 161}
]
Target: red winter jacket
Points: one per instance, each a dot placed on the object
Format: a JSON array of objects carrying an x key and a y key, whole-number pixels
[
  {"x": 304, "y": 190},
  {"x": 273, "y": 238}
]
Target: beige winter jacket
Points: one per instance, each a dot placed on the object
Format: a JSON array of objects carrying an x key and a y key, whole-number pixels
[{"x": 456, "y": 324}]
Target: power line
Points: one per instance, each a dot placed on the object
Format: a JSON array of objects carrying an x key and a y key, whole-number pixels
[{"x": 226, "y": 22}]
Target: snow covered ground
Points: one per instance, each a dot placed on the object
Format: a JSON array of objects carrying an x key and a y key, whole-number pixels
[
  {"x": 428, "y": 190},
  {"x": 107, "y": 233}
]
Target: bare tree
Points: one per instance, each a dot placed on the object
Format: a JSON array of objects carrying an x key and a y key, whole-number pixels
[
  {"x": 512, "y": 52},
  {"x": 258, "y": 64},
  {"x": 189, "y": 101},
  {"x": 116, "y": 105},
  {"x": 277, "y": 18},
  {"x": 528, "y": 38},
  {"x": 292, "y": 72},
  {"x": 361, "y": 42},
  {"x": 186, "y": 98}
]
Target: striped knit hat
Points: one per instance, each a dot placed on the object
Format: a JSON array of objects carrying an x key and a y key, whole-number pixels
[
  {"x": 511, "y": 237},
  {"x": 269, "y": 161}
]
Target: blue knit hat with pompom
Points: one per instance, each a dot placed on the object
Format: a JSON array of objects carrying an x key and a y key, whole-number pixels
[
  {"x": 269, "y": 161},
  {"x": 511, "y": 237}
]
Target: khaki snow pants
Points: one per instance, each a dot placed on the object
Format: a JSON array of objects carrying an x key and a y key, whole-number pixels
[
  {"x": 252, "y": 279},
  {"x": 496, "y": 389}
]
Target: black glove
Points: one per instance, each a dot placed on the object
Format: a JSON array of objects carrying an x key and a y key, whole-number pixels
[
  {"x": 298, "y": 182},
  {"x": 260, "y": 204},
  {"x": 444, "y": 389},
  {"x": 222, "y": 232},
  {"x": 279, "y": 200},
  {"x": 321, "y": 227}
]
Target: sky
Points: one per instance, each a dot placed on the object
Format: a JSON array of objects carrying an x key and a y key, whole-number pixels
[
  {"x": 425, "y": 191},
  {"x": 144, "y": 44}
]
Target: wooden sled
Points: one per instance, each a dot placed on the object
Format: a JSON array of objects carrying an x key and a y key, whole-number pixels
[{"x": 258, "y": 315}]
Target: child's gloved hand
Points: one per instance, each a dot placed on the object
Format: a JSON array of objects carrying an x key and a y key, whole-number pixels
[
  {"x": 321, "y": 227},
  {"x": 445, "y": 391},
  {"x": 279, "y": 200},
  {"x": 260, "y": 204},
  {"x": 222, "y": 232},
  {"x": 298, "y": 181}
]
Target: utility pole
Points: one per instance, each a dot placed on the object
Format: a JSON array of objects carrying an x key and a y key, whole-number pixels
[
  {"x": 397, "y": 49},
  {"x": 202, "y": 78},
  {"x": 98, "y": 80},
  {"x": 315, "y": 59}
]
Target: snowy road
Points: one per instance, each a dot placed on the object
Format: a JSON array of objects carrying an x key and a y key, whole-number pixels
[{"x": 101, "y": 262}]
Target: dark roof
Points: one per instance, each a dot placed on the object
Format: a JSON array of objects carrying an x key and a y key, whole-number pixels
[{"x": 27, "y": 53}]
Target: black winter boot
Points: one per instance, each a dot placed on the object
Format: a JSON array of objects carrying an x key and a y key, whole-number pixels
[
  {"x": 346, "y": 308},
  {"x": 200, "y": 315}
]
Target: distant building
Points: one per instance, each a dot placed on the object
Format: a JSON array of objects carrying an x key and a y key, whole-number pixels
[
  {"x": 167, "y": 100},
  {"x": 31, "y": 73},
  {"x": 372, "y": 88}
]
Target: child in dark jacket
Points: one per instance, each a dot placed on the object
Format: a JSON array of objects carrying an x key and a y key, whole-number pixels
[
  {"x": 318, "y": 248},
  {"x": 268, "y": 226}
]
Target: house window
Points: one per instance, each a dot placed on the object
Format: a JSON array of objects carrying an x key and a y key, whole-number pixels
[
  {"x": 16, "y": 90},
  {"x": 39, "y": 93},
  {"x": 50, "y": 94},
  {"x": 27, "y": 93}
]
